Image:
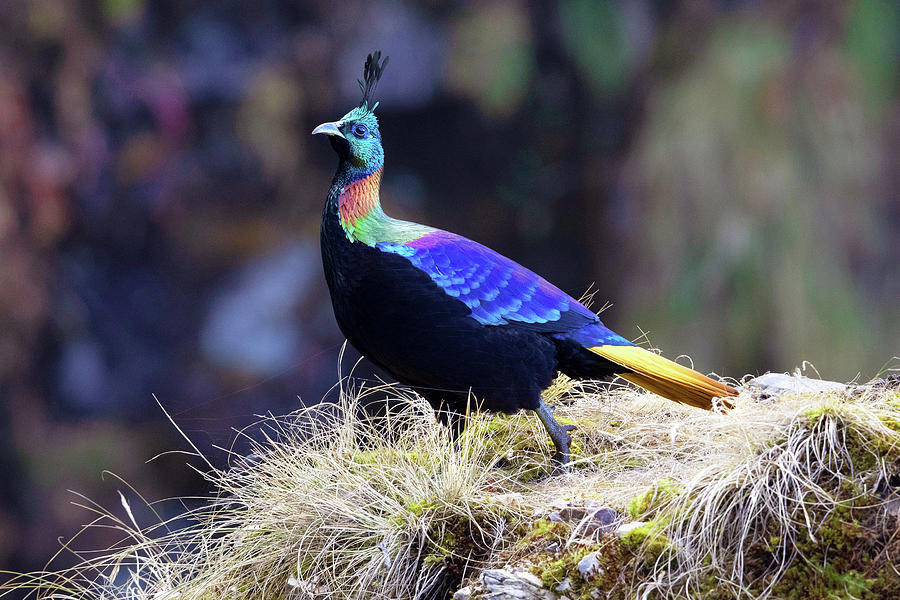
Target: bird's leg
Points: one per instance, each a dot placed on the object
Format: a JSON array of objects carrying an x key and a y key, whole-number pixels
[
  {"x": 452, "y": 420},
  {"x": 558, "y": 433}
]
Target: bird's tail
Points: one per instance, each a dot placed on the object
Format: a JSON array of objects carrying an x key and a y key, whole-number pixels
[{"x": 665, "y": 377}]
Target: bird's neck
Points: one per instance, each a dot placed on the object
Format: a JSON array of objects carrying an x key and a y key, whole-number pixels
[
  {"x": 355, "y": 201},
  {"x": 359, "y": 204}
]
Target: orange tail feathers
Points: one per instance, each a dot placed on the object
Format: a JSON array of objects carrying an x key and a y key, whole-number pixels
[{"x": 665, "y": 377}]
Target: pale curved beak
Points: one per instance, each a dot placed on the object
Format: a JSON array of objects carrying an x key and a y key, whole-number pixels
[{"x": 330, "y": 129}]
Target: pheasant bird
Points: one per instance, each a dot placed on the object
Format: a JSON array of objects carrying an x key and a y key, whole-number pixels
[{"x": 451, "y": 317}]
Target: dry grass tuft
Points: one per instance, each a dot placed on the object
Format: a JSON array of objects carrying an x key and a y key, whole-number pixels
[
  {"x": 792, "y": 488},
  {"x": 336, "y": 503},
  {"x": 341, "y": 504}
]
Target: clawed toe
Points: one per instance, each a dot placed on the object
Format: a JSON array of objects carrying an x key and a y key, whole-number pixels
[
  {"x": 559, "y": 434},
  {"x": 560, "y": 462}
]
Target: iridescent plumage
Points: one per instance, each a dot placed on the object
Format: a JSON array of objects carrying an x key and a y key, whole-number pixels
[{"x": 454, "y": 318}]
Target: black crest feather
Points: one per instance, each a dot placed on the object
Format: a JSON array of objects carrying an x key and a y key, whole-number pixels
[{"x": 371, "y": 74}]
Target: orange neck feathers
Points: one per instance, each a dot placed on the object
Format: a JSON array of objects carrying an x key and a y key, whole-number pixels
[{"x": 358, "y": 199}]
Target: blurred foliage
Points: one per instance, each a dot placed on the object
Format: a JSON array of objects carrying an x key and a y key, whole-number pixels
[
  {"x": 724, "y": 171},
  {"x": 491, "y": 59},
  {"x": 873, "y": 42},
  {"x": 764, "y": 199},
  {"x": 596, "y": 41}
]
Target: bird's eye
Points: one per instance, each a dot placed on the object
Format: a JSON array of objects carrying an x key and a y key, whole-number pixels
[{"x": 360, "y": 130}]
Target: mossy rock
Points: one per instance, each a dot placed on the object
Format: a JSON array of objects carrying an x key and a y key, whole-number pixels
[{"x": 603, "y": 582}]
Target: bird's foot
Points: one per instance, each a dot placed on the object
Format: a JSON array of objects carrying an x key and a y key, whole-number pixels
[
  {"x": 562, "y": 440},
  {"x": 560, "y": 464},
  {"x": 560, "y": 436}
]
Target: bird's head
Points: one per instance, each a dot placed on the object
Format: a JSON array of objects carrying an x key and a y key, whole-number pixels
[{"x": 355, "y": 137}]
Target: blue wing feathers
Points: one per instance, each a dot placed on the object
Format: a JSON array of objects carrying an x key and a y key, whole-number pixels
[{"x": 500, "y": 292}]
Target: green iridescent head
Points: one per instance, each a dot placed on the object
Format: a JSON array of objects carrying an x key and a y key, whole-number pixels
[{"x": 355, "y": 137}]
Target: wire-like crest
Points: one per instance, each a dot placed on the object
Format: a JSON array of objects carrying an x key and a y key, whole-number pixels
[{"x": 371, "y": 74}]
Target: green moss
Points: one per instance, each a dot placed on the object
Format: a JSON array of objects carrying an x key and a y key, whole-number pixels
[
  {"x": 553, "y": 570},
  {"x": 634, "y": 552},
  {"x": 541, "y": 533},
  {"x": 648, "y": 542},
  {"x": 517, "y": 450},
  {"x": 553, "y": 567},
  {"x": 419, "y": 507},
  {"x": 816, "y": 582},
  {"x": 524, "y": 447},
  {"x": 843, "y": 558},
  {"x": 816, "y": 413},
  {"x": 633, "y": 539},
  {"x": 651, "y": 501},
  {"x": 865, "y": 451},
  {"x": 892, "y": 400},
  {"x": 834, "y": 562},
  {"x": 383, "y": 455},
  {"x": 886, "y": 581},
  {"x": 454, "y": 541}
]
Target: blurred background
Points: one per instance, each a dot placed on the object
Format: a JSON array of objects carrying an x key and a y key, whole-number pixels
[{"x": 726, "y": 173}]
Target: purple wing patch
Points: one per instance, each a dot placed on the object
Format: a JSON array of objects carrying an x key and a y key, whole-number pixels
[{"x": 496, "y": 289}]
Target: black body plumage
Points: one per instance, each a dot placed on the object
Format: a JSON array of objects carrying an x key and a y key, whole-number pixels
[{"x": 396, "y": 316}]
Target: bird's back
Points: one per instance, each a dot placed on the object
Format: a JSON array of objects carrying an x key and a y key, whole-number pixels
[{"x": 395, "y": 314}]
